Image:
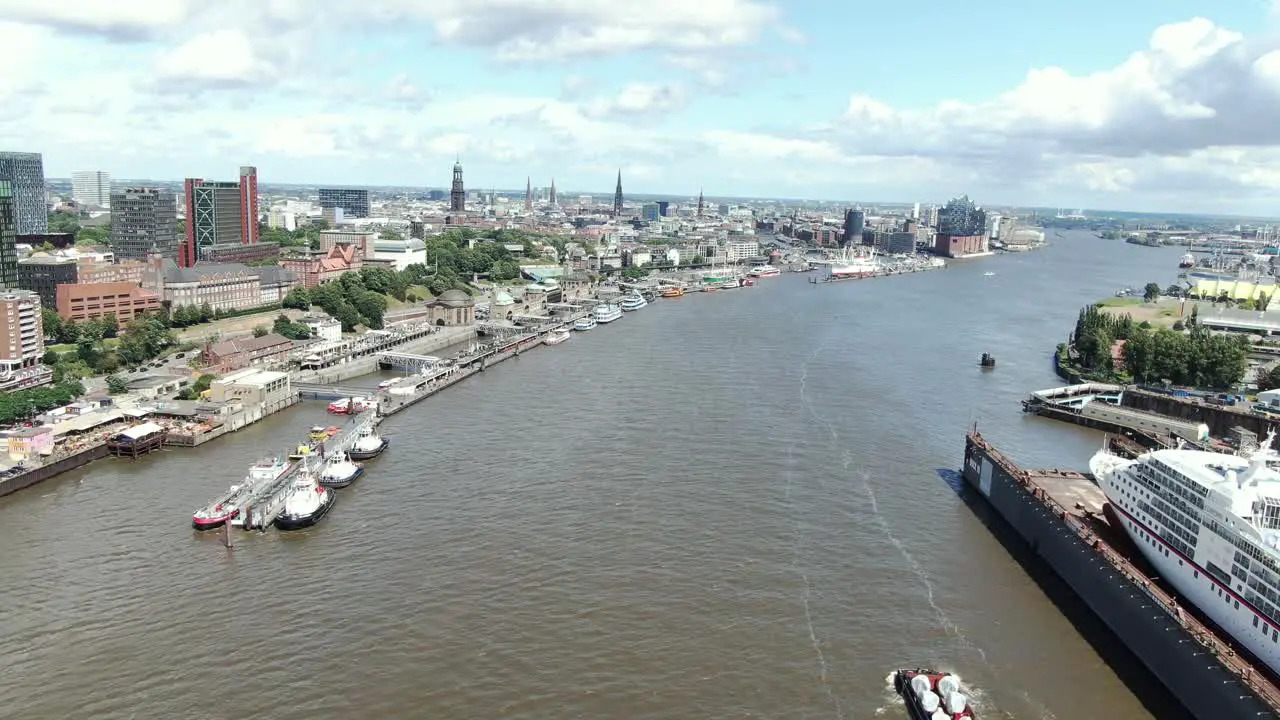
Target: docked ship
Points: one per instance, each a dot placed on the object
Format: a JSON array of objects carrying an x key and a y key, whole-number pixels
[
  {"x": 585, "y": 323},
  {"x": 306, "y": 503},
  {"x": 226, "y": 507},
  {"x": 1187, "y": 261},
  {"x": 607, "y": 313},
  {"x": 339, "y": 471},
  {"x": 931, "y": 695},
  {"x": 557, "y": 336},
  {"x": 853, "y": 266},
  {"x": 673, "y": 291},
  {"x": 351, "y": 406},
  {"x": 367, "y": 445},
  {"x": 633, "y": 302},
  {"x": 763, "y": 271},
  {"x": 1209, "y": 524}
]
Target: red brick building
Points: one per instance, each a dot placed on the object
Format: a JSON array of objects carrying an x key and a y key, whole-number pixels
[
  {"x": 949, "y": 245},
  {"x": 93, "y": 300},
  {"x": 236, "y": 354},
  {"x": 315, "y": 269}
]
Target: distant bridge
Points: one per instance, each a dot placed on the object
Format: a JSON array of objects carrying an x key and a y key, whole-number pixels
[{"x": 407, "y": 361}]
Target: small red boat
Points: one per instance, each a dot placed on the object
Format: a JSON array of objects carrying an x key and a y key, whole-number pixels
[{"x": 931, "y": 695}]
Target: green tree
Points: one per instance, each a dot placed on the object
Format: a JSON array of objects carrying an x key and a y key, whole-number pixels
[
  {"x": 110, "y": 325},
  {"x": 60, "y": 222},
  {"x": 206, "y": 312},
  {"x": 116, "y": 385},
  {"x": 298, "y": 298},
  {"x": 51, "y": 358},
  {"x": 697, "y": 260},
  {"x": 1151, "y": 292},
  {"x": 260, "y": 330},
  {"x": 50, "y": 322}
]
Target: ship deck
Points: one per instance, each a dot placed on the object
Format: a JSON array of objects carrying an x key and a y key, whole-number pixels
[{"x": 1076, "y": 498}]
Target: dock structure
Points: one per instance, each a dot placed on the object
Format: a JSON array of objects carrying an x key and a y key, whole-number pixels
[
  {"x": 1098, "y": 406},
  {"x": 137, "y": 441},
  {"x": 1064, "y": 517},
  {"x": 317, "y": 391},
  {"x": 407, "y": 361}
]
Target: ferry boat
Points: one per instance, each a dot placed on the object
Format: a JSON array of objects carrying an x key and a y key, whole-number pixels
[
  {"x": 306, "y": 503},
  {"x": 368, "y": 445},
  {"x": 226, "y": 507},
  {"x": 1209, "y": 523},
  {"x": 585, "y": 323},
  {"x": 339, "y": 471},
  {"x": 1187, "y": 261},
  {"x": 607, "y": 313},
  {"x": 557, "y": 336},
  {"x": 634, "y": 302},
  {"x": 931, "y": 695},
  {"x": 351, "y": 406},
  {"x": 763, "y": 271},
  {"x": 673, "y": 291}
]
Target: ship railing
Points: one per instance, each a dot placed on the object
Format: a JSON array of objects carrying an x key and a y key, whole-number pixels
[{"x": 1225, "y": 654}]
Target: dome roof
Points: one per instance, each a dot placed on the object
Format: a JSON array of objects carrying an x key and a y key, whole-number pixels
[
  {"x": 455, "y": 298},
  {"x": 502, "y": 297}
]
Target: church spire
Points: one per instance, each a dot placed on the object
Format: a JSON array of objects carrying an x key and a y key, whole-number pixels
[
  {"x": 699, "y": 202},
  {"x": 528, "y": 193},
  {"x": 553, "y": 191},
  {"x": 617, "y": 196}
]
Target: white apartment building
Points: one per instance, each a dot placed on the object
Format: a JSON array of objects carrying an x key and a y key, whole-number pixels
[
  {"x": 739, "y": 250},
  {"x": 91, "y": 187}
]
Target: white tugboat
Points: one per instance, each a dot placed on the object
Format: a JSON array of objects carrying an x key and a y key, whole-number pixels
[
  {"x": 306, "y": 503},
  {"x": 368, "y": 445},
  {"x": 339, "y": 471}
]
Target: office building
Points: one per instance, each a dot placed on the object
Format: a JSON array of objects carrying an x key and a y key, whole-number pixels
[
  {"x": 25, "y": 172},
  {"x": 249, "y": 228},
  {"x": 91, "y": 187},
  {"x": 213, "y": 217},
  {"x": 854, "y": 222},
  {"x": 94, "y": 300},
  {"x": 739, "y": 250},
  {"x": 21, "y": 341},
  {"x": 650, "y": 212},
  {"x": 354, "y": 203},
  {"x": 8, "y": 237},
  {"x": 143, "y": 218}
]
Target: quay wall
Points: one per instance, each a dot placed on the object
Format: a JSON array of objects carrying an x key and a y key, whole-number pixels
[
  {"x": 1187, "y": 668},
  {"x": 44, "y": 472},
  {"x": 369, "y": 364},
  {"x": 1220, "y": 418}
]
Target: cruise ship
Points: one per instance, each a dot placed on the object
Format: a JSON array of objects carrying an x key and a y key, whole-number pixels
[
  {"x": 633, "y": 302},
  {"x": 1209, "y": 524},
  {"x": 607, "y": 312}
]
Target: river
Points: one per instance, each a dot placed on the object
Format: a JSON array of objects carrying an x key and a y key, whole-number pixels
[{"x": 730, "y": 504}]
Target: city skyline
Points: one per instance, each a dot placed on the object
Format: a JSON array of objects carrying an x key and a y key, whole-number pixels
[{"x": 1161, "y": 109}]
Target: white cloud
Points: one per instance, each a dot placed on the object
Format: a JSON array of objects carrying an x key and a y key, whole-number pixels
[
  {"x": 640, "y": 99},
  {"x": 117, "y": 19},
  {"x": 220, "y": 57}
]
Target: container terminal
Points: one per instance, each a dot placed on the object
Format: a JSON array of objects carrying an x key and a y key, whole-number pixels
[{"x": 1065, "y": 519}]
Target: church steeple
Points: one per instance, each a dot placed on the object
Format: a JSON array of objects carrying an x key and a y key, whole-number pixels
[
  {"x": 699, "y": 202},
  {"x": 617, "y": 196},
  {"x": 528, "y": 193},
  {"x": 457, "y": 195}
]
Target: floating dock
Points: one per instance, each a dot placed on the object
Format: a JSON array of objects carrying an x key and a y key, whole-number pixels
[{"x": 1063, "y": 516}]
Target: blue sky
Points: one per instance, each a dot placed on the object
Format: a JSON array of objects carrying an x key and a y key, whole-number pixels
[{"x": 1140, "y": 106}]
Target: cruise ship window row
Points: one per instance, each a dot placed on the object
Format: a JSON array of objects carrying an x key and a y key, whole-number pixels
[
  {"x": 1249, "y": 548},
  {"x": 1168, "y": 530},
  {"x": 1164, "y": 483},
  {"x": 1174, "y": 520}
]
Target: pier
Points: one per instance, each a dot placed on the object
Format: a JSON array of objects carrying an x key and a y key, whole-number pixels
[{"x": 407, "y": 361}]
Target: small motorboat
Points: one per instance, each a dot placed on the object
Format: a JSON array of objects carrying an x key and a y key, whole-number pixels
[
  {"x": 339, "y": 471},
  {"x": 557, "y": 336},
  {"x": 932, "y": 695},
  {"x": 987, "y": 362}
]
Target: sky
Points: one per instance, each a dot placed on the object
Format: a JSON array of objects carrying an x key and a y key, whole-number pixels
[{"x": 1144, "y": 106}]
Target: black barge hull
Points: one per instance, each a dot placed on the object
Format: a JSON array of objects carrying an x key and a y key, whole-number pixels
[{"x": 1206, "y": 687}]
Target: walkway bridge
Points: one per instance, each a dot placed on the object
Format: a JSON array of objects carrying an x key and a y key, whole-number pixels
[
  {"x": 407, "y": 361},
  {"x": 316, "y": 391}
]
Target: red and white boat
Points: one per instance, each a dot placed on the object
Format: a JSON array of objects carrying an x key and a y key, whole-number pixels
[
  {"x": 931, "y": 695},
  {"x": 351, "y": 406},
  {"x": 226, "y": 507},
  {"x": 763, "y": 271}
]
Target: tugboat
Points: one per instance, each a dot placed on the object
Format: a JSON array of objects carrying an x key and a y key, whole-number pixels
[
  {"x": 987, "y": 362},
  {"x": 932, "y": 695},
  {"x": 306, "y": 503},
  {"x": 339, "y": 471},
  {"x": 368, "y": 445}
]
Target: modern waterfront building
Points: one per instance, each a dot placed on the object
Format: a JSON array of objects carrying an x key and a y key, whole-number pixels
[
  {"x": 142, "y": 219},
  {"x": 854, "y": 222},
  {"x": 25, "y": 171},
  {"x": 962, "y": 229},
  {"x": 353, "y": 202},
  {"x": 21, "y": 341},
  {"x": 91, "y": 187},
  {"x": 740, "y": 250},
  {"x": 219, "y": 213},
  {"x": 8, "y": 237}
]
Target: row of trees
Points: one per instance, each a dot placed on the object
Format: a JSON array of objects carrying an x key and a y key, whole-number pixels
[
  {"x": 22, "y": 404},
  {"x": 67, "y": 332},
  {"x": 1195, "y": 357},
  {"x": 349, "y": 300},
  {"x": 145, "y": 338},
  {"x": 285, "y": 327}
]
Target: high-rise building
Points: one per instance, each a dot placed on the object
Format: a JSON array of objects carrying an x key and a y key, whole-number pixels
[
  {"x": 143, "y": 218},
  {"x": 352, "y": 201},
  {"x": 213, "y": 217},
  {"x": 854, "y": 222},
  {"x": 26, "y": 173},
  {"x": 457, "y": 194},
  {"x": 249, "y": 228},
  {"x": 8, "y": 237},
  {"x": 617, "y": 196},
  {"x": 21, "y": 341},
  {"x": 650, "y": 212},
  {"x": 91, "y": 187}
]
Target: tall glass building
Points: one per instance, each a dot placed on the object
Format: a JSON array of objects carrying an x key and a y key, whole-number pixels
[
  {"x": 354, "y": 202},
  {"x": 8, "y": 238},
  {"x": 25, "y": 172}
]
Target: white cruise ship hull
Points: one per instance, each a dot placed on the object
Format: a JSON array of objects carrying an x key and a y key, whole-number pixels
[{"x": 1221, "y": 601}]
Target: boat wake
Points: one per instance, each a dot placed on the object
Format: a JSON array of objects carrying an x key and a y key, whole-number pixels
[{"x": 805, "y": 596}]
